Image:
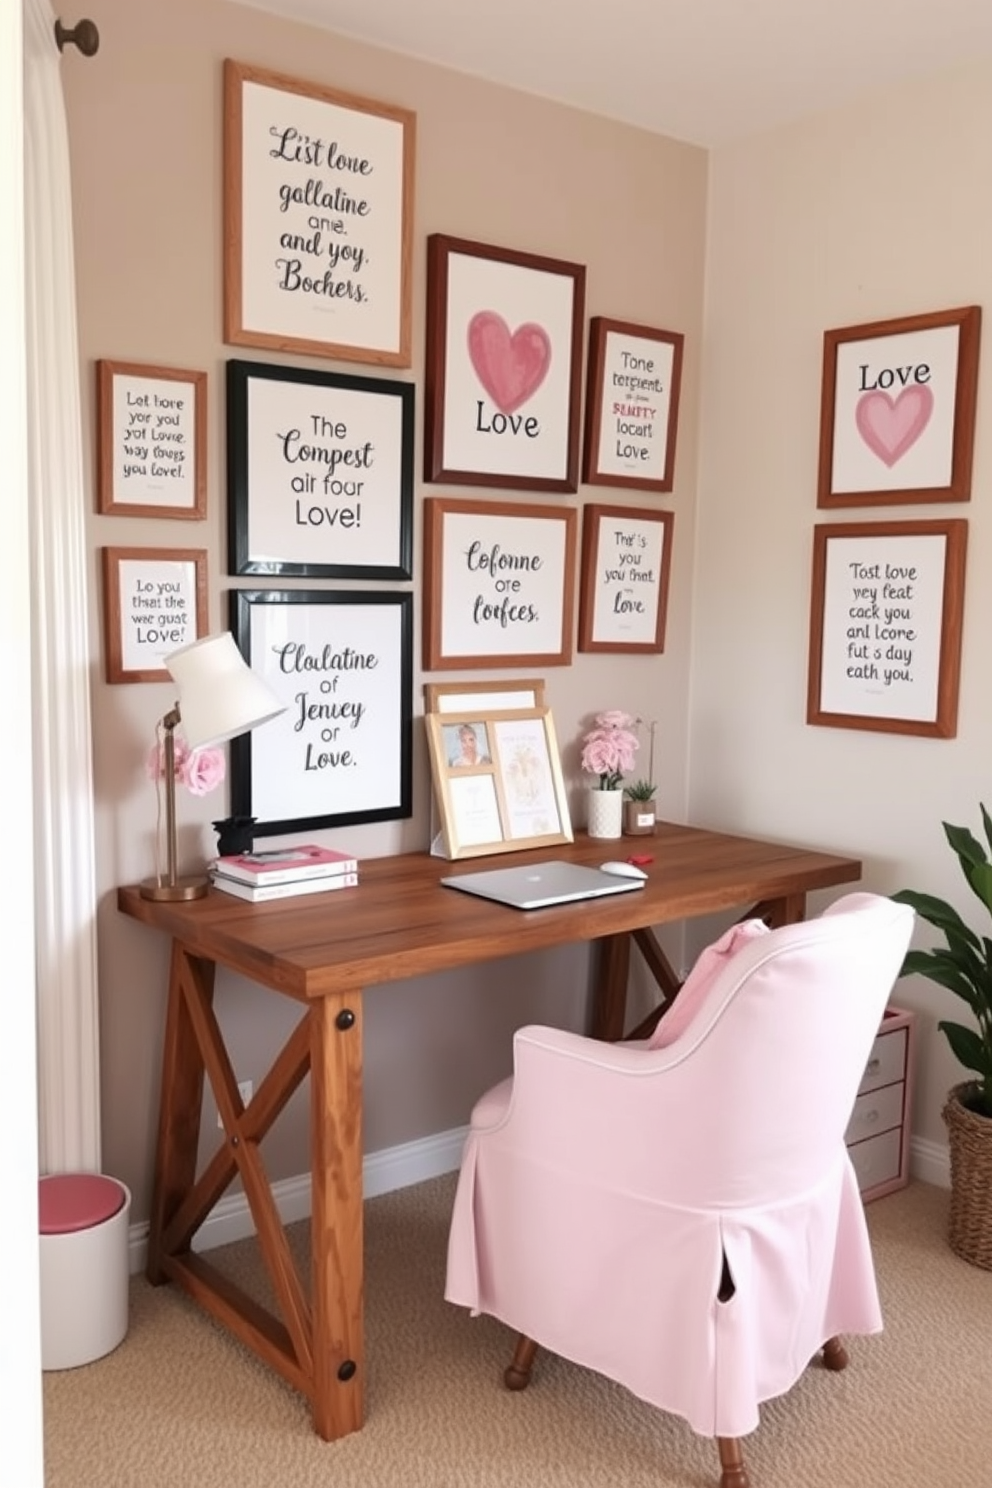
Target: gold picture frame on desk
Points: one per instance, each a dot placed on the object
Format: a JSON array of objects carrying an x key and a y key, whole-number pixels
[{"x": 497, "y": 780}]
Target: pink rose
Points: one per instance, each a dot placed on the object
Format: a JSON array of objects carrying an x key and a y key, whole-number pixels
[
  {"x": 155, "y": 763},
  {"x": 608, "y": 749},
  {"x": 202, "y": 771},
  {"x": 614, "y": 719}
]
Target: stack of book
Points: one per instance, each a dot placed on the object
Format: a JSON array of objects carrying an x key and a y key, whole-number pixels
[{"x": 284, "y": 872}]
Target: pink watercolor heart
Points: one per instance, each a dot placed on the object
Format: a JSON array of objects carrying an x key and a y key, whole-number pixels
[
  {"x": 510, "y": 368},
  {"x": 891, "y": 426}
]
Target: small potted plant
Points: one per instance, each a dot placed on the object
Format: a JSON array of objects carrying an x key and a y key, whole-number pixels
[
  {"x": 638, "y": 808},
  {"x": 963, "y": 964}
]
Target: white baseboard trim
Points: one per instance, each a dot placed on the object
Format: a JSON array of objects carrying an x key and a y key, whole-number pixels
[
  {"x": 382, "y": 1172},
  {"x": 930, "y": 1162},
  {"x": 415, "y": 1162}
]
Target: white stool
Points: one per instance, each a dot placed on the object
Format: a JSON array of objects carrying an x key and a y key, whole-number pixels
[{"x": 83, "y": 1223}]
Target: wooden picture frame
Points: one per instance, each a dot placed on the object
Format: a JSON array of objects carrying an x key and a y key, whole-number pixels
[
  {"x": 632, "y": 405},
  {"x": 510, "y": 794},
  {"x": 503, "y": 367},
  {"x": 886, "y": 611},
  {"x": 320, "y": 473},
  {"x": 495, "y": 695},
  {"x": 897, "y": 410},
  {"x": 499, "y": 582},
  {"x": 318, "y": 219},
  {"x": 623, "y": 588},
  {"x": 154, "y": 603},
  {"x": 342, "y": 661},
  {"x": 151, "y": 441}
]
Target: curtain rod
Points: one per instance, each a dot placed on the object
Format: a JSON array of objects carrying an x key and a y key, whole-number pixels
[{"x": 85, "y": 36}]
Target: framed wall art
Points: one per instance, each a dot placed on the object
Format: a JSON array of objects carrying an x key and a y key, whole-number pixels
[
  {"x": 320, "y": 473},
  {"x": 154, "y": 603},
  {"x": 632, "y": 405},
  {"x": 623, "y": 591},
  {"x": 318, "y": 219},
  {"x": 497, "y": 780},
  {"x": 897, "y": 411},
  {"x": 491, "y": 696},
  {"x": 151, "y": 441},
  {"x": 342, "y": 662},
  {"x": 499, "y": 584},
  {"x": 503, "y": 367},
  {"x": 885, "y": 626}
]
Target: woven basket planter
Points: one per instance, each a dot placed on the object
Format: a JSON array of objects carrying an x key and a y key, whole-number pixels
[{"x": 970, "y": 1227}]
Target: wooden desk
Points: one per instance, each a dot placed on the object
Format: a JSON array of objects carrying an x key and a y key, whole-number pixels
[{"x": 397, "y": 923}]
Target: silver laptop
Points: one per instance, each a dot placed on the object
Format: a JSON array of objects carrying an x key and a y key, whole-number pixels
[{"x": 539, "y": 885}]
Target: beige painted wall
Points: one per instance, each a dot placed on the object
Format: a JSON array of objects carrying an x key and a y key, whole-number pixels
[
  {"x": 877, "y": 211},
  {"x": 493, "y": 165}
]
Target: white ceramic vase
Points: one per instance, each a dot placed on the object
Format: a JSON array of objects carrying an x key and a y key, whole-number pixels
[{"x": 605, "y": 817}]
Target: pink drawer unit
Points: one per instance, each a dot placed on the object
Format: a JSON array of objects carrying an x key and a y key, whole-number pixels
[{"x": 878, "y": 1132}]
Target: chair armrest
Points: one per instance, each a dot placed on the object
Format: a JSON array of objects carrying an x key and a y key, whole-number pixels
[{"x": 571, "y": 1096}]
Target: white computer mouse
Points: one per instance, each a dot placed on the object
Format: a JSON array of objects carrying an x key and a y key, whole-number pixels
[{"x": 623, "y": 870}]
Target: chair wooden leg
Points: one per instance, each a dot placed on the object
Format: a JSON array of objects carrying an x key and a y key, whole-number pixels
[
  {"x": 834, "y": 1354},
  {"x": 734, "y": 1474},
  {"x": 516, "y": 1376}
]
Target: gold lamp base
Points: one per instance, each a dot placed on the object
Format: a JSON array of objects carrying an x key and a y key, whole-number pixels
[{"x": 175, "y": 893}]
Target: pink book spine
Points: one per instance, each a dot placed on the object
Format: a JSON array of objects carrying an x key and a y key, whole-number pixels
[{"x": 287, "y": 865}]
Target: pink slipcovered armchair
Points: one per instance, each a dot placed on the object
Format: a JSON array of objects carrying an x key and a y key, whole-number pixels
[{"x": 681, "y": 1215}]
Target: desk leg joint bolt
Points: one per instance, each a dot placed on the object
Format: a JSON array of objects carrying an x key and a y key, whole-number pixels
[
  {"x": 347, "y": 1370},
  {"x": 345, "y": 1020}
]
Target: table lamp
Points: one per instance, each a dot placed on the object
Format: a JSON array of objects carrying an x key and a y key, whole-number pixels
[{"x": 219, "y": 697}]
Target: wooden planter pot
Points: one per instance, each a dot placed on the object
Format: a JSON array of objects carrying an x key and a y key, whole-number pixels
[{"x": 970, "y": 1139}]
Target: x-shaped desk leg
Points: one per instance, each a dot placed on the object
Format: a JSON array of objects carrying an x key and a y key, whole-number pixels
[{"x": 318, "y": 1343}]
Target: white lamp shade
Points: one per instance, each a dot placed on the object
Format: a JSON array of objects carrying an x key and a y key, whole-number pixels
[{"x": 219, "y": 694}]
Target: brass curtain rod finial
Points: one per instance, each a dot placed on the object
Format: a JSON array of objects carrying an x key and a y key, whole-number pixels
[{"x": 85, "y": 36}]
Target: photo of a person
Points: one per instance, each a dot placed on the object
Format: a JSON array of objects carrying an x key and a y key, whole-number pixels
[{"x": 466, "y": 746}]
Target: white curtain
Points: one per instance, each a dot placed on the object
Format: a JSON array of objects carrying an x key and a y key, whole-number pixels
[{"x": 65, "y": 880}]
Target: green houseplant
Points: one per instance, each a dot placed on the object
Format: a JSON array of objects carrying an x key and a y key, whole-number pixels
[{"x": 963, "y": 964}]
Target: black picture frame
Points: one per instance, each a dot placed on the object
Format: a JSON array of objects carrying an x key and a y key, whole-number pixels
[
  {"x": 295, "y": 774},
  {"x": 302, "y": 446}
]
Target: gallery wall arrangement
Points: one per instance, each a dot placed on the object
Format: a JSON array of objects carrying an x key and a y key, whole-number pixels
[
  {"x": 897, "y": 427},
  {"x": 319, "y": 223},
  {"x": 319, "y": 207}
]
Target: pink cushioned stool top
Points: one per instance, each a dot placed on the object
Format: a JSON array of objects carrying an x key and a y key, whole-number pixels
[{"x": 76, "y": 1201}]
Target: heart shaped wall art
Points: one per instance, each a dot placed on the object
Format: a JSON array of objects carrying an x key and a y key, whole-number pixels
[
  {"x": 511, "y": 367},
  {"x": 891, "y": 426}
]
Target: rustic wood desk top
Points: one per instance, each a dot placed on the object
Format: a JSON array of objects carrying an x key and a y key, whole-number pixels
[
  {"x": 323, "y": 950},
  {"x": 397, "y": 922}
]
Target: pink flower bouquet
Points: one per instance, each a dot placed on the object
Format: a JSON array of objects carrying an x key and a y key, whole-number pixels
[
  {"x": 608, "y": 749},
  {"x": 199, "y": 770}
]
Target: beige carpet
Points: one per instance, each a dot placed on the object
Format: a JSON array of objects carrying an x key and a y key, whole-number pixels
[{"x": 182, "y": 1405}]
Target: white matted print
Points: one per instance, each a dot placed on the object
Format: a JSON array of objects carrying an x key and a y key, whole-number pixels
[
  {"x": 632, "y": 404},
  {"x": 154, "y": 603},
  {"x": 626, "y": 562},
  {"x": 318, "y": 200},
  {"x": 885, "y": 631},
  {"x": 320, "y": 473},
  {"x": 151, "y": 441},
  {"x": 504, "y": 348},
  {"x": 898, "y": 410},
  {"x": 498, "y": 584},
  {"x": 341, "y": 661}
]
